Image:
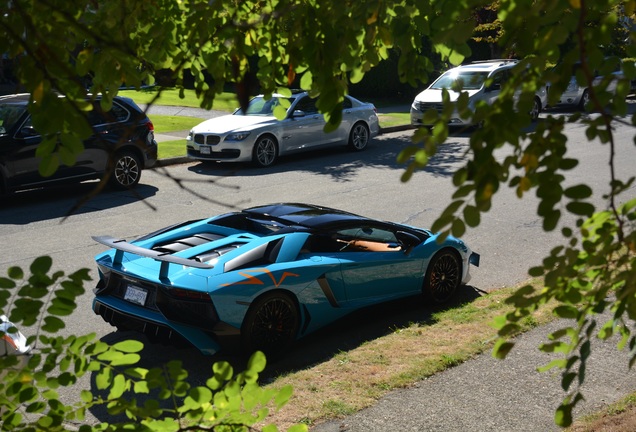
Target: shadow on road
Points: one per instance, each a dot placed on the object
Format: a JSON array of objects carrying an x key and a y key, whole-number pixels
[
  {"x": 341, "y": 165},
  {"x": 343, "y": 335},
  {"x": 35, "y": 205}
]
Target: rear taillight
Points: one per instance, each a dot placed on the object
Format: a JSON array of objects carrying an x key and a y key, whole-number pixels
[
  {"x": 150, "y": 126},
  {"x": 189, "y": 294}
]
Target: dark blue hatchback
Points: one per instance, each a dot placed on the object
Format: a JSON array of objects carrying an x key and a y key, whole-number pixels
[{"x": 122, "y": 144}]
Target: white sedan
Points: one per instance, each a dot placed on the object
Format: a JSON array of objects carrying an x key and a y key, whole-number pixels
[{"x": 256, "y": 135}]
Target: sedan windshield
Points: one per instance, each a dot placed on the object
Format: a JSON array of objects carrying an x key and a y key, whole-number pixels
[
  {"x": 259, "y": 106},
  {"x": 467, "y": 80},
  {"x": 9, "y": 115}
]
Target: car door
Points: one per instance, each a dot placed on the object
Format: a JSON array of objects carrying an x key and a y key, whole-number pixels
[
  {"x": 18, "y": 153},
  {"x": 109, "y": 128},
  {"x": 374, "y": 267},
  {"x": 497, "y": 81},
  {"x": 304, "y": 127}
]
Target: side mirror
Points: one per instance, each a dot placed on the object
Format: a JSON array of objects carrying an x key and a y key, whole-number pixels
[
  {"x": 298, "y": 113},
  {"x": 493, "y": 87},
  {"x": 27, "y": 132}
]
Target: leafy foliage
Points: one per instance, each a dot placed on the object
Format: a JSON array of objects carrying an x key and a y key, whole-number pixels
[
  {"x": 29, "y": 396},
  {"x": 323, "y": 47}
]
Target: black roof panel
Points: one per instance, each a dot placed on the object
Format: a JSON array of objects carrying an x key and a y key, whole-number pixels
[{"x": 307, "y": 215}]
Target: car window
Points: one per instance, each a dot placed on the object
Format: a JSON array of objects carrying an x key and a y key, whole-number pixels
[
  {"x": 366, "y": 239},
  {"x": 258, "y": 106},
  {"x": 498, "y": 79},
  {"x": 469, "y": 80},
  {"x": 9, "y": 115},
  {"x": 307, "y": 104},
  {"x": 98, "y": 117}
]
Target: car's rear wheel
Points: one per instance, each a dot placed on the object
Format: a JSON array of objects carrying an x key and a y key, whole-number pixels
[
  {"x": 443, "y": 276},
  {"x": 270, "y": 325},
  {"x": 126, "y": 171},
  {"x": 359, "y": 137},
  {"x": 265, "y": 151}
]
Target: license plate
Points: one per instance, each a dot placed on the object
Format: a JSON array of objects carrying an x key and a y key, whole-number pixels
[
  {"x": 136, "y": 295},
  {"x": 205, "y": 149}
]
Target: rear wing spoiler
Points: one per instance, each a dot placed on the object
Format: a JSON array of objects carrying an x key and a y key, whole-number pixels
[{"x": 121, "y": 246}]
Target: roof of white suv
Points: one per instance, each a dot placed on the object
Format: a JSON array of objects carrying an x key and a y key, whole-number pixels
[{"x": 487, "y": 65}]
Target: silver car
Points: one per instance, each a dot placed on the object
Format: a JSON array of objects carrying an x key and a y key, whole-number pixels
[
  {"x": 578, "y": 96},
  {"x": 256, "y": 135}
]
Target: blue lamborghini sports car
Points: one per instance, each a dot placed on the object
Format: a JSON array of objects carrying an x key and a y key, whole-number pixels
[{"x": 268, "y": 275}]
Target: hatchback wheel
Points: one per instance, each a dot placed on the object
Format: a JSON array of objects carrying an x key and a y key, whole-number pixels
[
  {"x": 443, "y": 276},
  {"x": 536, "y": 110},
  {"x": 270, "y": 325},
  {"x": 359, "y": 137},
  {"x": 265, "y": 151},
  {"x": 126, "y": 171}
]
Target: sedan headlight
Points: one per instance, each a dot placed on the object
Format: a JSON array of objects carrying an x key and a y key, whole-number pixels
[{"x": 237, "y": 136}]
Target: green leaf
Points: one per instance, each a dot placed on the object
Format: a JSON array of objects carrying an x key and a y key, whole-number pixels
[
  {"x": 581, "y": 191},
  {"x": 298, "y": 428},
  {"x": 129, "y": 346},
  {"x": 52, "y": 324},
  {"x": 41, "y": 265},
  {"x": 15, "y": 273},
  {"x": 257, "y": 362},
  {"x": 283, "y": 396},
  {"x": 566, "y": 311},
  {"x": 471, "y": 216},
  {"x": 502, "y": 348},
  {"x": 118, "y": 388},
  {"x": 580, "y": 208}
]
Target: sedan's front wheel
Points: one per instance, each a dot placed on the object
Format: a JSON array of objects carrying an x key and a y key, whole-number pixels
[
  {"x": 265, "y": 151},
  {"x": 270, "y": 325},
  {"x": 359, "y": 137},
  {"x": 443, "y": 276},
  {"x": 126, "y": 171}
]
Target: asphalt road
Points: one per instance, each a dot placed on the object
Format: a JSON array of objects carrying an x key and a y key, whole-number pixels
[{"x": 482, "y": 394}]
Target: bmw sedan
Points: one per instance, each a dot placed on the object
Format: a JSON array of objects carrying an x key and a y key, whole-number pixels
[{"x": 256, "y": 135}]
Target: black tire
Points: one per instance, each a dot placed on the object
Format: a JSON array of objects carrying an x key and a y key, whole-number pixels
[
  {"x": 270, "y": 325},
  {"x": 443, "y": 276},
  {"x": 536, "y": 110},
  {"x": 265, "y": 151},
  {"x": 359, "y": 137},
  {"x": 585, "y": 98},
  {"x": 126, "y": 171}
]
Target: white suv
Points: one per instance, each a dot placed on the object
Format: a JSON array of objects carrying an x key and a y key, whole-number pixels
[{"x": 472, "y": 78}]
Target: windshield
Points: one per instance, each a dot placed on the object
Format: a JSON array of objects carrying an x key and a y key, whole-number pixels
[
  {"x": 261, "y": 107},
  {"x": 468, "y": 80},
  {"x": 9, "y": 115}
]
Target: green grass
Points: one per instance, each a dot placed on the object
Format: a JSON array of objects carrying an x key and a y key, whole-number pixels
[
  {"x": 394, "y": 119},
  {"x": 170, "y": 149},
  {"x": 165, "y": 123}
]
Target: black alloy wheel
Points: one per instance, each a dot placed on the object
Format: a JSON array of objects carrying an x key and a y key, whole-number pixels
[
  {"x": 443, "y": 276},
  {"x": 126, "y": 171},
  {"x": 359, "y": 137},
  {"x": 270, "y": 325},
  {"x": 265, "y": 151}
]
